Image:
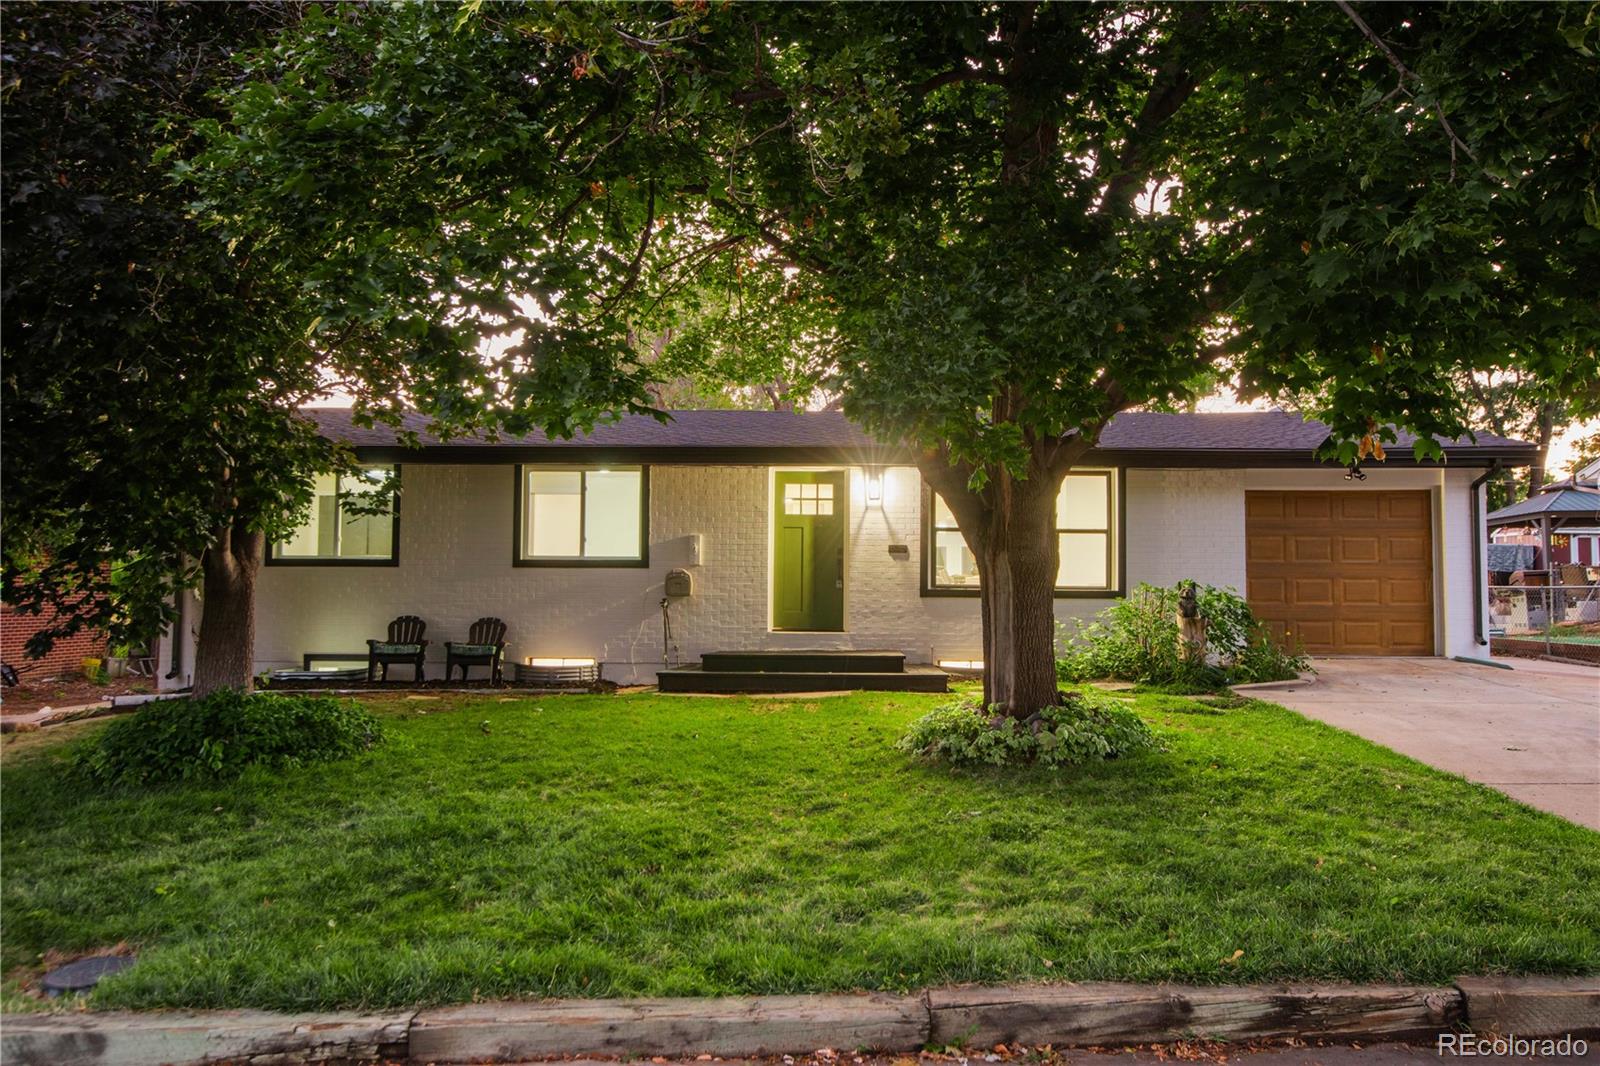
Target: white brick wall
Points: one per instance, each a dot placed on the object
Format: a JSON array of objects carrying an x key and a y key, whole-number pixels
[
  {"x": 1186, "y": 524},
  {"x": 456, "y": 553}
]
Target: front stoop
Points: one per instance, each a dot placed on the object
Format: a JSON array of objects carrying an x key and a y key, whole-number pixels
[
  {"x": 802, "y": 670},
  {"x": 1067, "y": 1015}
]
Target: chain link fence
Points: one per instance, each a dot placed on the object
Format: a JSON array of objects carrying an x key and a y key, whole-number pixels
[{"x": 1562, "y": 621}]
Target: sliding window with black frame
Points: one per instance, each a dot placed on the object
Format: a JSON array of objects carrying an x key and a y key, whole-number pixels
[
  {"x": 1088, "y": 539},
  {"x": 582, "y": 516},
  {"x": 349, "y": 522}
]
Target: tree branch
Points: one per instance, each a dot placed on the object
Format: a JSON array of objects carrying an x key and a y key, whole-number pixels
[
  {"x": 1406, "y": 72},
  {"x": 956, "y": 75},
  {"x": 745, "y": 97},
  {"x": 1173, "y": 85},
  {"x": 632, "y": 276}
]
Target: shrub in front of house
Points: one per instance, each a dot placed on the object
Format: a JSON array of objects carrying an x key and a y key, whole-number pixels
[
  {"x": 1084, "y": 728},
  {"x": 223, "y": 734},
  {"x": 1137, "y": 640}
]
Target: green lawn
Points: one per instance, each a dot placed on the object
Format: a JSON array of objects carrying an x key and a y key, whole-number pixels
[{"x": 648, "y": 845}]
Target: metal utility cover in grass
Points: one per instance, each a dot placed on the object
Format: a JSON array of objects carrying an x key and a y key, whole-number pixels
[{"x": 81, "y": 976}]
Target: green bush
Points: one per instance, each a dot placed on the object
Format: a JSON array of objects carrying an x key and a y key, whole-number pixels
[
  {"x": 222, "y": 734},
  {"x": 1084, "y": 728},
  {"x": 1137, "y": 640}
]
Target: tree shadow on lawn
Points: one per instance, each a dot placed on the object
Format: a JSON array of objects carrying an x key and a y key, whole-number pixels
[{"x": 646, "y": 846}]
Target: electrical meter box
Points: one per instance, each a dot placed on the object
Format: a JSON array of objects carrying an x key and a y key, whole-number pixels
[{"x": 680, "y": 583}]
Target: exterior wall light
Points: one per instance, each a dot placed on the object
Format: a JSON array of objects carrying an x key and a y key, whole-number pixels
[{"x": 875, "y": 484}]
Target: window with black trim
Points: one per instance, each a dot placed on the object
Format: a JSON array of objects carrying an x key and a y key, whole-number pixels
[
  {"x": 1086, "y": 538},
  {"x": 582, "y": 516},
  {"x": 345, "y": 525}
]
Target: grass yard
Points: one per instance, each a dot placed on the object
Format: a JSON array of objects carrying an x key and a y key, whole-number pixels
[{"x": 649, "y": 845}]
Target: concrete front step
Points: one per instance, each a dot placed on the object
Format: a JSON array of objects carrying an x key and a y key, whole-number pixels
[
  {"x": 695, "y": 679},
  {"x": 804, "y": 661}
]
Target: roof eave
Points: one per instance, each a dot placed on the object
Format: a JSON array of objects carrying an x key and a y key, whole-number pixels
[{"x": 1190, "y": 458}]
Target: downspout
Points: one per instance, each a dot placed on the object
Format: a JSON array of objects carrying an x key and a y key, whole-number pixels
[
  {"x": 1478, "y": 535},
  {"x": 177, "y": 640}
]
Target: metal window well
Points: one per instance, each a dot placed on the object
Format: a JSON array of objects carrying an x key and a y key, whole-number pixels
[
  {"x": 358, "y": 673},
  {"x": 554, "y": 673}
]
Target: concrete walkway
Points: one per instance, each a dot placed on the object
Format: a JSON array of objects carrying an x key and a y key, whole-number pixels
[{"x": 1533, "y": 731}]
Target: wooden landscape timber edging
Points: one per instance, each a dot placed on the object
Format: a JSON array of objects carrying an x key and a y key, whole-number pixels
[
  {"x": 1061, "y": 1015},
  {"x": 1066, "y": 1015},
  {"x": 178, "y": 1038},
  {"x": 729, "y": 1027},
  {"x": 1534, "y": 1006}
]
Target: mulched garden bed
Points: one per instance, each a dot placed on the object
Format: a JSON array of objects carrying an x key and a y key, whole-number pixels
[
  {"x": 32, "y": 695},
  {"x": 400, "y": 688}
]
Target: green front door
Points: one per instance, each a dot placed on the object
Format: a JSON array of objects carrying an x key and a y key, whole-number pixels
[{"x": 808, "y": 550}]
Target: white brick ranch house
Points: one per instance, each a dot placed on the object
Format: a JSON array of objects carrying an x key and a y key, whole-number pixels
[{"x": 798, "y": 531}]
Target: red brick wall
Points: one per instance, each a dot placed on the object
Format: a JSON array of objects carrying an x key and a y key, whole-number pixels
[{"x": 65, "y": 658}]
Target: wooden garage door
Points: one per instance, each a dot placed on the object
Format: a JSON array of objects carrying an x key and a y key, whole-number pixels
[{"x": 1344, "y": 573}]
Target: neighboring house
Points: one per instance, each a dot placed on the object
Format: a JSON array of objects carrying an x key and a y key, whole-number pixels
[
  {"x": 799, "y": 531},
  {"x": 1561, "y": 521},
  {"x": 66, "y": 655}
]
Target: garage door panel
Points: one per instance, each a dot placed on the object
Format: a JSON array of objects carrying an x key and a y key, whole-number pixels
[
  {"x": 1409, "y": 592},
  {"x": 1265, "y": 548},
  {"x": 1361, "y": 591},
  {"x": 1355, "y": 548},
  {"x": 1415, "y": 637},
  {"x": 1311, "y": 633},
  {"x": 1407, "y": 507},
  {"x": 1406, "y": 548},
  {"x": 1267, "y": 590},
  {"x": 1343, "y": 572},
  {"x": 1358, "y": 506},
  {"x": 1317, "y": 549},
  {"x": 1311, "y": 592},
  {"x": 1309, "y": 506},
  {"x": 1263, "y": 505},
  {"x": 1364, "y": 636}
]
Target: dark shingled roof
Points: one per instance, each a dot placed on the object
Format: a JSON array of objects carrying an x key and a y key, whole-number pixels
[
  {"x": 1568, "y": 497},
  {"x": 1151, "y": 438}
]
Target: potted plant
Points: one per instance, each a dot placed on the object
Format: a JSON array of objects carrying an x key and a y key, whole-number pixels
[{"x": 117, "y": 660}]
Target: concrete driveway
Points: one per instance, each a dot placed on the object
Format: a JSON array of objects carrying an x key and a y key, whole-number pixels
[{"x": 1533, "y": 731}]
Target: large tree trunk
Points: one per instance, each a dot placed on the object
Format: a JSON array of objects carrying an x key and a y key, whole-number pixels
[
  {"x": 1017, "y": 578},
  {"x": 1010, "y": 526},
  {"x": 226, "y": 650}
]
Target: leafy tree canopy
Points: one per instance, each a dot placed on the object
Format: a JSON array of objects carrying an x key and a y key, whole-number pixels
[
  {"x": 153, "y": 367},
  {"x": 986, "y": 226}
]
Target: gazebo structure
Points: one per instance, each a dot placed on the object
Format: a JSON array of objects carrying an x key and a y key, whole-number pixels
[{"x": 1561, "y": 521}]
